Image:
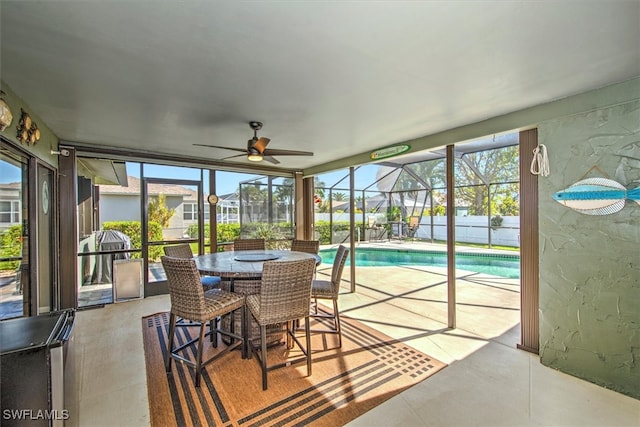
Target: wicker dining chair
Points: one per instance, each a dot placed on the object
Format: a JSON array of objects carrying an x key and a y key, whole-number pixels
[
  {"x": 330, "y": 290},
  {"x": 183, "y": 250},
  {"x": 309, "y": 246},
  {"x": 189, "y": 301},
  {"x": 248, "y": 244},
  {"x": 285, "y": 296}
]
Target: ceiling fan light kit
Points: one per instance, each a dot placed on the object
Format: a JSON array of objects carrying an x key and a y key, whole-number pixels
[
  {"x": 254, "y": 155},
  {"x": 257, "y": 148}
]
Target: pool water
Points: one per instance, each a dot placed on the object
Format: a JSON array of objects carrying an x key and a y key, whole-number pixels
[{"x": 496, "y": 265}]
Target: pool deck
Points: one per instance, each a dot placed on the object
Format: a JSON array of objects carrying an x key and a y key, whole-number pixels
[
  {"x": 11, "y": 302},
  {"x": 487, "y": 305},
  {"x": 488, "y": 382}
]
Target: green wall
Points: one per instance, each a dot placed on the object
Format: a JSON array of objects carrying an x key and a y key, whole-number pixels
[
  {"x": 590, "y": 265},
  {"x": 48, "y": 141}
]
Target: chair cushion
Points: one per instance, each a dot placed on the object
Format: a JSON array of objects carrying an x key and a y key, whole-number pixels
[
  {"x": 322, "y": 289},
  {"x": 210, "y": 282}
]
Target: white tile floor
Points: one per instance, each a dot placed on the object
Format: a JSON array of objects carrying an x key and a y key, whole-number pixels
[{"x": 488, "y": 381}]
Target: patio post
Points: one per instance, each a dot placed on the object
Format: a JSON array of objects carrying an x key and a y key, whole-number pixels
[{"x": 451, "y": 240}]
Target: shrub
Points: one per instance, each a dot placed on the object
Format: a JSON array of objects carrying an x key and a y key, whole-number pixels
[
  {"x": 273, "y": 235},
  {"x": 133, "y": 230},
  {"x": 323, "y": 231},
  {"x": 11, "y": 241},
  {"x": 496, "y": 222},
  {"x": 227, "y": 232},
  {"x": 224, "y": 232}
]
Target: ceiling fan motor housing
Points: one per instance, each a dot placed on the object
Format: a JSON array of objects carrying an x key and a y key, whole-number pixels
[{"x": 250, "y": 146}]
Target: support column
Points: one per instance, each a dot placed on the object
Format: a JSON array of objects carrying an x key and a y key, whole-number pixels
[
  {"x": 304, "y": 207},
  {"x": 68, "y": 217},
  {"x": 529, "y": 242},
  {"x": 451, "y": 239},
  {"x": 352, "y": 221},
  {"x": 213, "y": 215}
]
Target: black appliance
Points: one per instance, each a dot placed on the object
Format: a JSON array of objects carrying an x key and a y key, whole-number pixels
[{"x": 32, "y": 358}]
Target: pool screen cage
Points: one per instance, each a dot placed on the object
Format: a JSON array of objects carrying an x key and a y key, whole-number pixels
[
  {"x": 266, "y": 210},
  {"x": 408, "y": 200}
]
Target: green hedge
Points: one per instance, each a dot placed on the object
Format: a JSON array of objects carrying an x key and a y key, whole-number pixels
[
  {"x": 11, "y": 241},
  {"x": 230, "y": 232},
  {"x": 227, "y": 233},
  {"x": 224, "y": 232},
  {"x": 323, "y": 231},
  {"x": 133, "y": 230}
]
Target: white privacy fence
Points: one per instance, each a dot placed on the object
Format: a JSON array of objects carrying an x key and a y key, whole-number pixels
[
  {"x": 473, "y": 229},
  {"x": 469, "y": 229}
]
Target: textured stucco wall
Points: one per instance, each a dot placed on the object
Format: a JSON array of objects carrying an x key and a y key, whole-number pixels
[
  {"x": 48, "y": 141},
  {"x": 590, "y": 265}
]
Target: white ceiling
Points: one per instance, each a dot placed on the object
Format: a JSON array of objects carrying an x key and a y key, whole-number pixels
[{"x": 334, "y": 77}]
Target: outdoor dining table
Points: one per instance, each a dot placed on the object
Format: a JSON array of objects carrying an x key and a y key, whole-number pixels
[
  {"x": 241, "y": 271},
  {"x": 245, "y": 265}
]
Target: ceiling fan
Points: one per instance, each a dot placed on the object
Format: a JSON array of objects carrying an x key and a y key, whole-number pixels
[{"x": 257, "y": 148}]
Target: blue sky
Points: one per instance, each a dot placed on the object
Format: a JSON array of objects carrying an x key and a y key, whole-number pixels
[
  {"x": 9, "y": 173},
  {"x": 226, "y": 182}
]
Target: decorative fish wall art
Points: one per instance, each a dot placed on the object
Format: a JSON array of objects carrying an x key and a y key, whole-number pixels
[{"x": 597, "y": 196}]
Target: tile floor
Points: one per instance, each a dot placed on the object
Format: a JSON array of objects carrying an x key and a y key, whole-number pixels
[{"x": 488, "y": 381}]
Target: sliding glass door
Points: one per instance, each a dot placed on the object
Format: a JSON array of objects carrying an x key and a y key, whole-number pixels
[
  {"x": 28, "y": 238},
  {"x": 14, "y": 254}
]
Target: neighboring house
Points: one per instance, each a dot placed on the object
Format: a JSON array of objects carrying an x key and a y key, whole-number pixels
[
  {"x": 229, "y": 209},
  {"x": 10, "y": 205},
  {"x": 118, "y": 203}
]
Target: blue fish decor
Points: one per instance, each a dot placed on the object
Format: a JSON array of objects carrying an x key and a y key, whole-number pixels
[{"x": 596, "y": 196}]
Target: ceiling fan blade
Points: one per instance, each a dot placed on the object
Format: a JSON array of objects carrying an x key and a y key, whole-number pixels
[
  {"x": 225, "y": 148},
  {"x": 232, "y": 157},
  {"x": 261, "y": 144},
  {"x": 276, "y": 152},
  {"x": 271, "y": 160}
]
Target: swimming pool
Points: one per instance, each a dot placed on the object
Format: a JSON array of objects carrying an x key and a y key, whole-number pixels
[{"x": 497, "y": 265}]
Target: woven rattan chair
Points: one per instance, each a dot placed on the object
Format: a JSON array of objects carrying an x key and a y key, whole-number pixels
[
  {"x": 285, "y": 296},
  {"x": 309, "y": 246},
  {"x": 248, "y": 245},
  {"x": 183, "y": 250},
  {"x": 330, "y": 290},
  {"x": 189, "y": 301}
]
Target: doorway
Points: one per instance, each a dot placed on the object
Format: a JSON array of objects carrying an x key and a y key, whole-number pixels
[
  {"x": 173, "y": 212},
  {"x": 28, "y": 275},
  {"x": 14, "y": 253}
]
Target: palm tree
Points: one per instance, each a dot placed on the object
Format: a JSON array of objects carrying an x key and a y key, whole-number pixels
[
  {"x": 283, "y": 198},
  {"x": 339, "y": 197},
  {"x": 318, "y": 187},
  {"x": 254, "y": 201}
]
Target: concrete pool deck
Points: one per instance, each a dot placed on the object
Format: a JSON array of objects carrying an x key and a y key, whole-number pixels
[
  {"x": 488, "y": 381},
  {"x": 487, "y": 306}
]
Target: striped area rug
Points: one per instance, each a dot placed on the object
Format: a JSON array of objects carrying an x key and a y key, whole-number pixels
[{"x": 345, "y": 382}]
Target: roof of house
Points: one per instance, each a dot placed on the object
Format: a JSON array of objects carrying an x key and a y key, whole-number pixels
[
  {"x": 154, "y": 189},
  {"x": 133, "y": 189}
]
